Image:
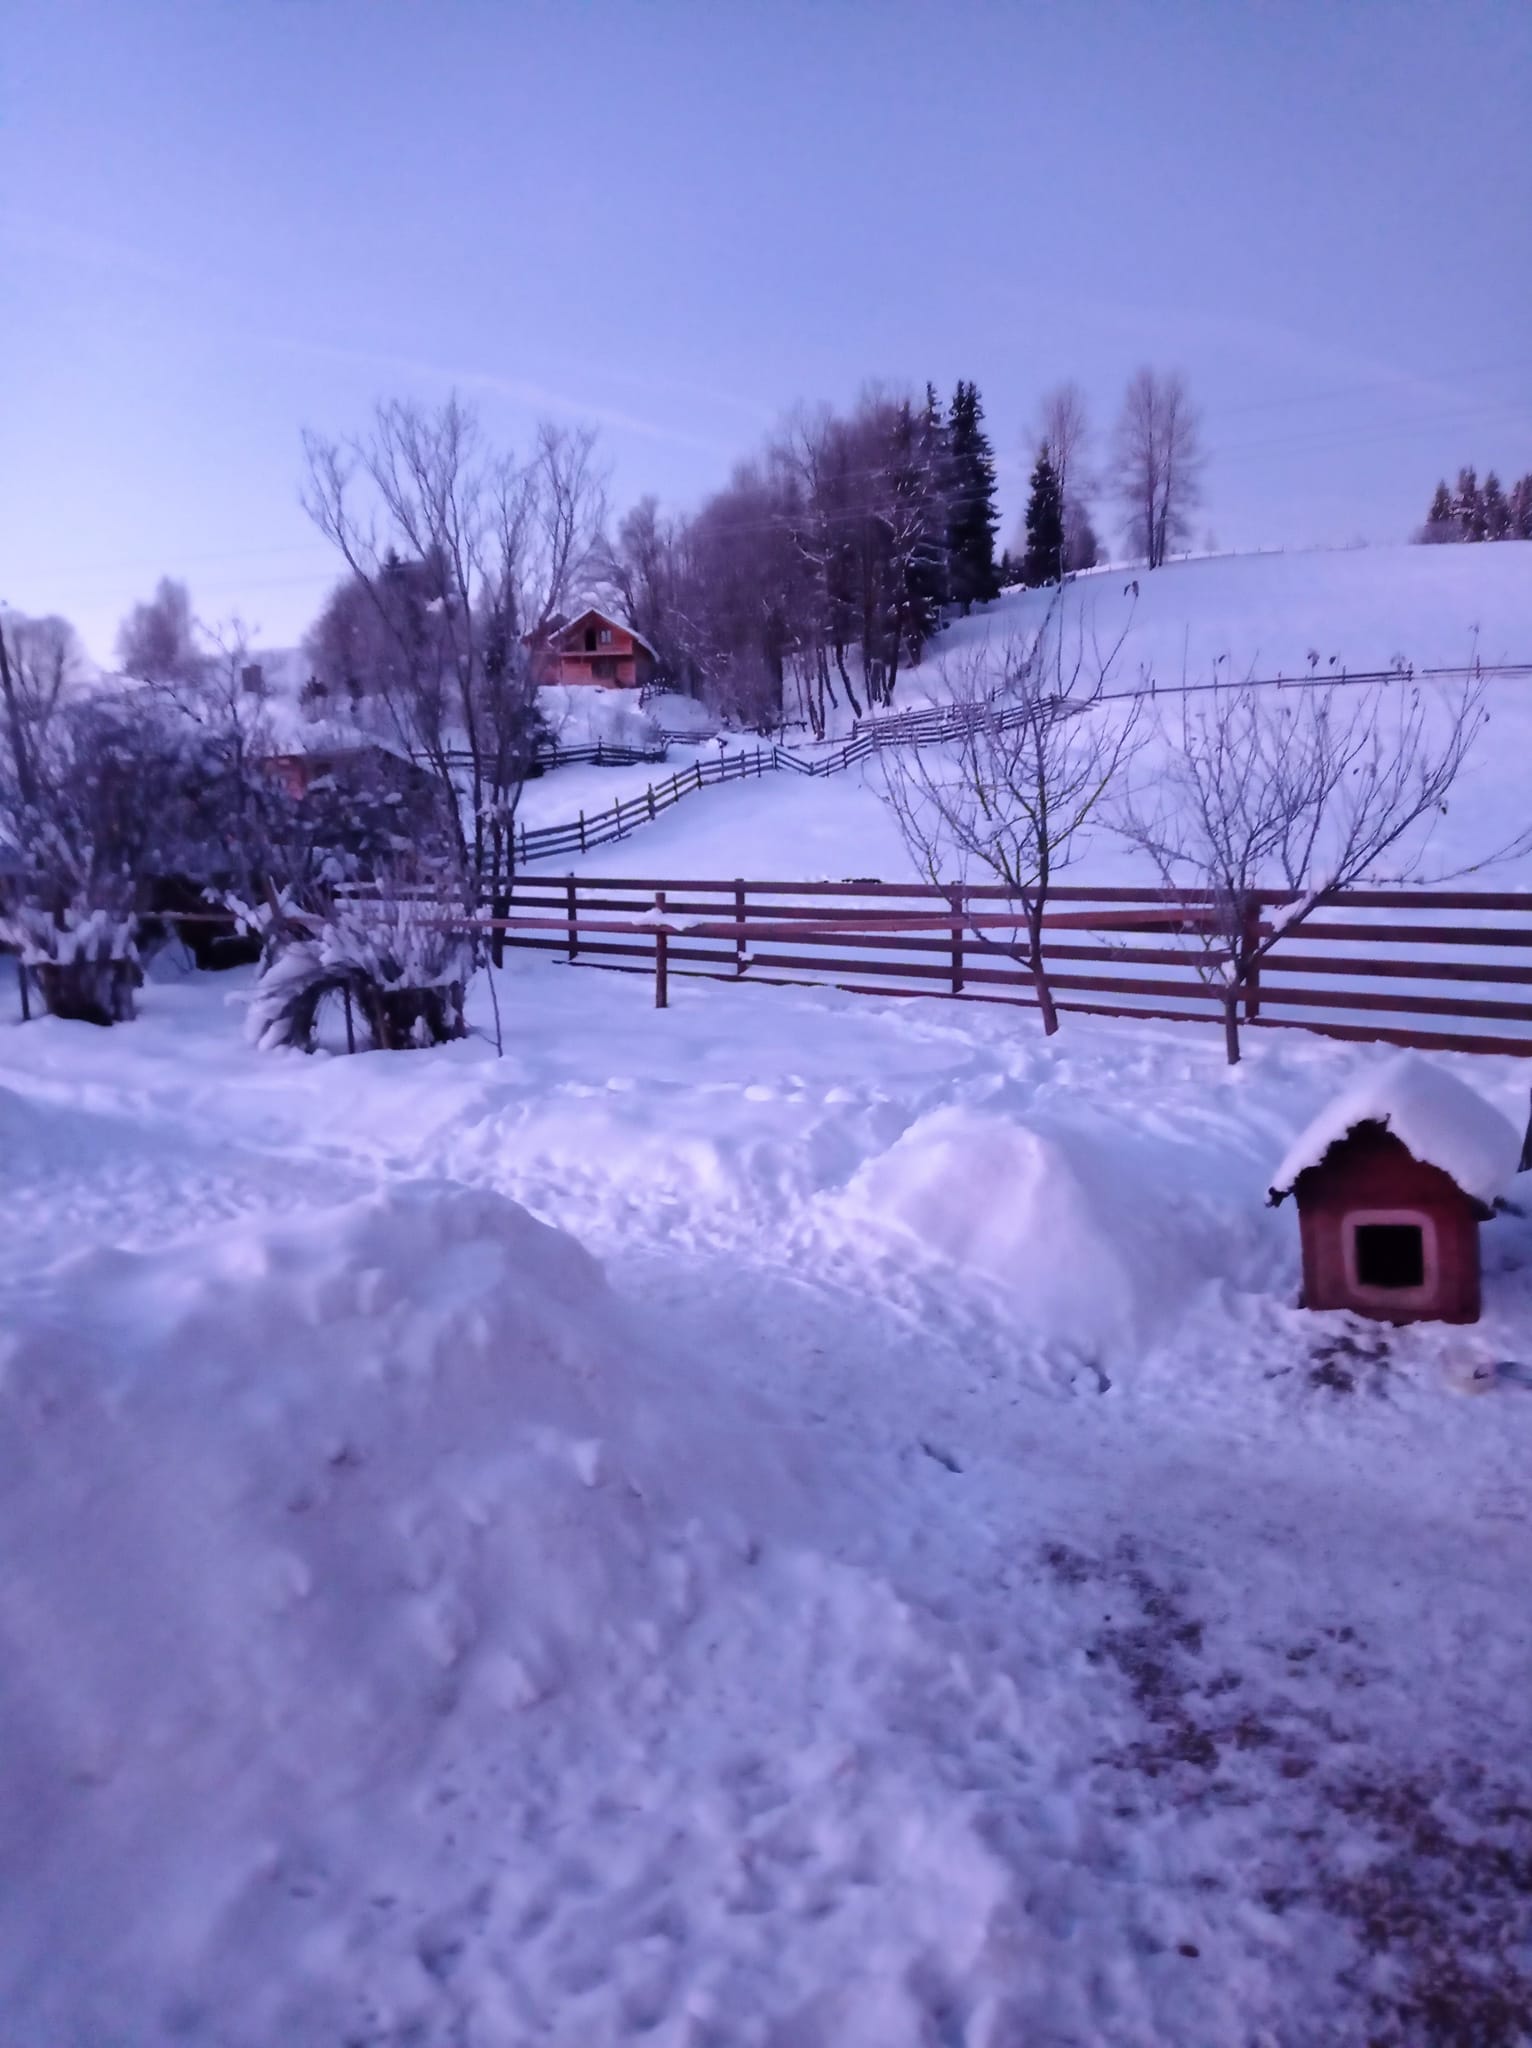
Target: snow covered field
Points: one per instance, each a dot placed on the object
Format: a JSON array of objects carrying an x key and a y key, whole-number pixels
[
  {"x": 926, "y": 1584},
  {"x": 1224, "y": 618}
]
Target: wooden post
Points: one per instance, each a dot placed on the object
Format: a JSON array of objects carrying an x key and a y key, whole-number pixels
[
  {"x": 499, "y": 910},
  {"x": 582, "y": 831},
  {"x": 1250, "y": 938},
  {"x": 956, "y": 898},
  {"x": 739, "y": 919},
  {"x": 574, "y": 911},
  {"x": 650, "y": 794},
  {"x": 699, "y": 775},
  {"x": 350, "y": 1026},
  {"x": 26, "y": 998},
  {"x": 661, "y": 957}
]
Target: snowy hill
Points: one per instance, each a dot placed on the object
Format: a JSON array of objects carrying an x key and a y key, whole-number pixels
[
  {"x": 1210, "y": 620},
  {"x": 1228, "y": 616}
]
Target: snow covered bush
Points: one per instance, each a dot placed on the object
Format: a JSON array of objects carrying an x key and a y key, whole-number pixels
[
  {"x": 398, "y": 965},
  {"x": 82, "y": 958}
]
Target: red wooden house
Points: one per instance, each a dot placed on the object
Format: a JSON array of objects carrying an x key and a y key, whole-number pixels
[{"x": 593, "y": 648}]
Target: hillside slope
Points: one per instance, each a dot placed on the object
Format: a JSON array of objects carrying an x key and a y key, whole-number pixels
[
  {"x": 1227, "y": 617},
  {"x": 1237, "y": 615}
]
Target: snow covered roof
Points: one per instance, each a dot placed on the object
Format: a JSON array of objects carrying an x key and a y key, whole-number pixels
[
  {"x": 594, "y": 611},
  {"x": 334, "y": 736},
  {"x": 1431, "y": 1113}
]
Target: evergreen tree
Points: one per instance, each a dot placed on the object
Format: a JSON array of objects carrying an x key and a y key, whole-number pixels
[
  {"x": 1495, "y": 511},
  {"x": 1521, "y": 509},
  {"x": 1467, "y": 506},
  {"x": 1441, "y": 521},
  {"x": 1044, "y": 560},
  {"x": 929, "y": 581},
  {"x": 971, "y": 515}
]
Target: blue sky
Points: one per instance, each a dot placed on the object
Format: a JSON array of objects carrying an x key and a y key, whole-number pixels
[{"x": 220, "y": 223}]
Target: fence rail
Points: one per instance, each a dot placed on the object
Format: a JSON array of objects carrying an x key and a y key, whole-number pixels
[
  {"x": 930, "y": 727},
  {"x": 1436, "y": 969}
]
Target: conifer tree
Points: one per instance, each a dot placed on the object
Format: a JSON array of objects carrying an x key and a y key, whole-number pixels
[
  {"x": 1494, "y": 510},
  {"x": 1521, "y": 509},
  {"x": 930, "y": 573},
  {"x": 1467, "y": 506},
  {"x": 1441, "y": 521},
  {"x": 971, "y": 515},
  {"x": 1044, "y": 559}
]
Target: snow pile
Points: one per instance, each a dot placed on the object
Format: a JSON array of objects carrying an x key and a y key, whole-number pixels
[
  {"x": 579, "y": 715},
  {"x": 1069, "y": 1233},
  {"x": 283, "y": 1513},
  {"x": 668, "y": 708},
  {"x": 1438, "y": 1120}
]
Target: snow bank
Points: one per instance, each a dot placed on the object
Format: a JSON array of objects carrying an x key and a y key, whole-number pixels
[
  {"x": 279, "y": 1509},
  {"x": 579, "y": 716},
  {"x": 1072, "y": 1234},
  {"x": 1435, "y": 1116}
]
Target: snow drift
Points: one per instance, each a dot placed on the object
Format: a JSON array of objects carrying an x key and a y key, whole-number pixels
[
  {"x": 283, "y": 1511},
  {"x": 1073, "y": 1234}
]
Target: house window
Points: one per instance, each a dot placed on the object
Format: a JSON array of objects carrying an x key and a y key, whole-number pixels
[
  {"x": 1390, "y": 1255},
  {"x": 605, "y": 636}
]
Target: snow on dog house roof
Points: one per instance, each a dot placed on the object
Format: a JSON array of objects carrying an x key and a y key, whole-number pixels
[{"x": 1436, "y": 1119}]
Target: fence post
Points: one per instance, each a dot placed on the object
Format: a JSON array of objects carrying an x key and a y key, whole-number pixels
[
  {"x": 739, "y": 919},
  {"x": 650, "y": 793},
  {"x": 350, "y": 1027},
  {"x": 661, "y": 957},
  {"x": 499, "y": 910},
  {"x": 582, "y": 831},
  {"x": 574, "y": 912},
  {"x": 699, "y": 775},
  {"x": 956, "y": 897},
  {"x": 1250, "y": 938},
  {"x": 26, "y": 999}
]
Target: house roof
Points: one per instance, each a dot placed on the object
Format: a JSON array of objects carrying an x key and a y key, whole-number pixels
[
  {"x": 1434, "y": 1116},
  {"x": 593, "y": 611}
]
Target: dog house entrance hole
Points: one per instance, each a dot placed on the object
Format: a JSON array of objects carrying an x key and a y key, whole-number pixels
[{"x": 1390, "y": 1255}]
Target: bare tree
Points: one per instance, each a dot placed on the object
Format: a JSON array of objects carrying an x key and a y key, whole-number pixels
[
  {"x": 1301, "y": 791},
  {"x": 1009, "y": 799},
  {"x": 41, "y": 662},
  {"x": 1063, "y": 432},
  {"x": 459, "y": 551},
  {"x": 1157, "y": 464},
  {"x": 557, "y": 518},
  {"x": 157, "y": 642}
]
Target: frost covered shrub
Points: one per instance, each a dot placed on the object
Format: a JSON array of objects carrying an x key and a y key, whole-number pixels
[
  {"x": 83, "y": 958},
  {"x": 403, "y": 972}
]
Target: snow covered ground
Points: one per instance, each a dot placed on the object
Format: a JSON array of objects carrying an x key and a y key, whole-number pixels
[
  {"x": 1318, "y": 611},
  {"x": 792, "y": 1520},
  {"x": 1223, "y": 618}
]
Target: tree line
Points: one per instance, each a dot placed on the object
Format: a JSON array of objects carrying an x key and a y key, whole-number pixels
[
  {"x": 1471, "y": 511},
  {"x": 824, "y": 566}
]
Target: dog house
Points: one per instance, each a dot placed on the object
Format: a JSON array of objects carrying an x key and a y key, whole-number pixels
[{"x": 1392, "y": 1182}]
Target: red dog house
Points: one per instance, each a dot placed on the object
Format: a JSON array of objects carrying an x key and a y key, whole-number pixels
[{"x": 1392, "y": 1182}]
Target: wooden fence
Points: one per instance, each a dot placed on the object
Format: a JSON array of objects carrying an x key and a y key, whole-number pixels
[
  {"x": 1443, "y": 970},
  {"x": 932, "y": 726}
]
